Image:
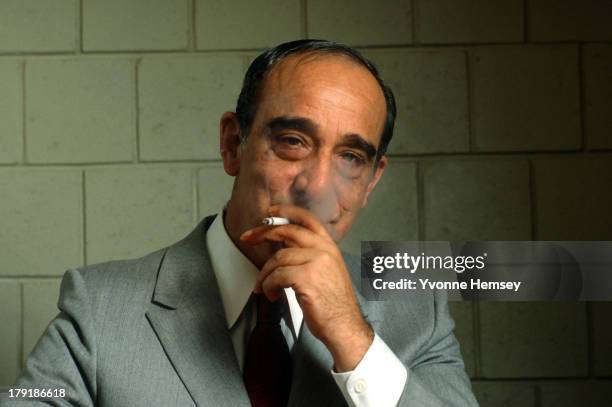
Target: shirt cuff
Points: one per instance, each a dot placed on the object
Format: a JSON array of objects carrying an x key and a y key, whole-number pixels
[{"x": 378, "y": 380}]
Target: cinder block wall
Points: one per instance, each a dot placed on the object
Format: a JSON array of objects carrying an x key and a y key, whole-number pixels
[{"x": 109, "y": 115}]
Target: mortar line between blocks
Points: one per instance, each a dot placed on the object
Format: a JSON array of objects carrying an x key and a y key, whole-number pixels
[
  {"x": 430, "y": 46},
  {"x": 191, "y": 18},
  {"x": 526, "y": 22},
  {"x": 84, "y": 215},
  {"x": 79, "y": 23},
  {"x": 484, "y": 155},
  {"x": 304, "y": 19},
  {"x": 136, "y": 153},
  {"x": 23, "y": 114},
  {"x": 533, "y": 213},
  {"x": 582, "y": 98},
  {"x": 537, "y": 390},
  {"x": 195, "y": 198},
  {"x": 470, "y": 100},
  {"x": 420, "y": 189},
  {"x": 20, "y": 350},
  {"x": 414, "y": 22}
]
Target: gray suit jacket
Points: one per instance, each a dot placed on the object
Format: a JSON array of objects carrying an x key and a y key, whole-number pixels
[{"x": 152, "y": 332}]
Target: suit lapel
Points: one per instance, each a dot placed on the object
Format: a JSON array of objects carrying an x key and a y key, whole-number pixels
[{"x": 187, "y": 316}]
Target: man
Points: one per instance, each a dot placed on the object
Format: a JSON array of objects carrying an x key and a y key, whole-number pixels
[{"x": 242, "y": 313}]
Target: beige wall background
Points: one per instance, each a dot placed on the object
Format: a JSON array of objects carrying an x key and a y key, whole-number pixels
[{"x": 109, "y": 116}]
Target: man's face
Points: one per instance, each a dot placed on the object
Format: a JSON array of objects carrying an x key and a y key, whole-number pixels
[{"x": 312, "y": 143}]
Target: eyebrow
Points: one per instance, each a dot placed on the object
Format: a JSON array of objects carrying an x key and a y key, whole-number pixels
[
  {"x": 358, "y": 142},
  {"x": 309, "y": 127},
  {"x": 300, "y": 124}
]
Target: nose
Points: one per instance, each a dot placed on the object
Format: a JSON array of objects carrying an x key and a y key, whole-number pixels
[
  {"x": 314, "y": 179},
  {"x": 313, "y": 189}
]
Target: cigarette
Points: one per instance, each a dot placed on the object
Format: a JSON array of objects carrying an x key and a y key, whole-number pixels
[{"x": 275, "y": 221}]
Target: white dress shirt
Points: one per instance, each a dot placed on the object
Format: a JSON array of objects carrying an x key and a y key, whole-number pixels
[{"x": 379, "y": 378}]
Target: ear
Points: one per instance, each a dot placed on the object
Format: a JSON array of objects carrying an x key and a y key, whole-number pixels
[
  {"x": 229, "y": 140},
  {"x": 382, "y": 164}
]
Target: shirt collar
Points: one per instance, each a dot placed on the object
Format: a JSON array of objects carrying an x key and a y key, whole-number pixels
[{"x": 236, "y": 276}]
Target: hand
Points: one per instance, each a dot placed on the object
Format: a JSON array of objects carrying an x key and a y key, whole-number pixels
[{"x": 312, "y": 265}]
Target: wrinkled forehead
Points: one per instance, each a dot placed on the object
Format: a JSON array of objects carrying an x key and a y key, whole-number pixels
[
  {"x": 314, "y": 84},
  {"x": 306, "y": 70}
]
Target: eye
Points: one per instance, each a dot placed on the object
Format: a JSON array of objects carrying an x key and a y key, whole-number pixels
[
  {"x": 353, "y": 158},
  {"x": 351, "y": 165},
  {"x": 290, "y": 146},
  {"x": 290, "y": 140}
]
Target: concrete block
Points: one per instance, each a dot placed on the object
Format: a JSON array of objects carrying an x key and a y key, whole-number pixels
[
  {"x": 11, "y": 112},
  {"x": 39, "y": 308},
  {"x": 431, "y": 95},
  {"x": 576, "y": 393},
  {"x": 214, "y": 189},
  {"x": 391, "y": 212},
  {"x": 533, "y": 339},
  {"x": 525, "y": 98},
  {"x": 360, "y": 22},
  {"x": 10, "y": 340},
  {"x": 181, "y": 102},
  {"x": 135, "y": 210},
  {"x": 570, "y": 20},
  {"x": 476, "y": 200},
  {"x": 41, "y": 212},
  {"x": 38, "y": 25},
  {"x": 135, "y": 25},
  {"x": 601, "y": 333},
  {"x": 470, "y": 21},
  {"x": 244, "y": 24},
  {"x": 504, "y": 394},
  {"x": 462, "y": 313},
  {"x": 573, "y": 198},
  {"x": 80, "y": 111},
  {"x": 598, "y": 95}
]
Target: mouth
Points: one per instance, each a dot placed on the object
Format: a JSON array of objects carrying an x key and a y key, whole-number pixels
[{"x": 334, "y": 221}]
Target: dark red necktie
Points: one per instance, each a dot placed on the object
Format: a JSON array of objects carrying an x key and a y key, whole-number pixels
[{"x": 267, "y": 365}]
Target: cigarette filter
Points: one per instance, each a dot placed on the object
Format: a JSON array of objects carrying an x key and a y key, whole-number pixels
[{"x": 275, "y": 221}]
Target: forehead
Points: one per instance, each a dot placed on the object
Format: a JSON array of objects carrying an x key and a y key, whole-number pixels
[{"x": 331, "y": 90}]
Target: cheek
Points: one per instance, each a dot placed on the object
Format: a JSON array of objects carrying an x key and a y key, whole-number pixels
[
  {"x": 350, "y": 198},
  {"x": 276, "y": 177},
  {"x": 351, "y": 193}
]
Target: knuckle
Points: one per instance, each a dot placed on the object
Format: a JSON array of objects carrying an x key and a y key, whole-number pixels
[
  {"x": 278, "y": 276},
  {"x": 279, "y": 256},
  {"x": 326, "y": 259}
]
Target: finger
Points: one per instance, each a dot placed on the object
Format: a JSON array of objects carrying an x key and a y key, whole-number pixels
[
  {"x": 280, "y": 278},
  {"x": 290, "y": 235},
  {"x": 284, "y": 257},
  {"x": 256, "y": 231},
  {"x": 299, "y": 216}
]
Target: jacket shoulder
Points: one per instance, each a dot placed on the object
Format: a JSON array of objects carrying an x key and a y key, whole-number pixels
[{"x": 114, "y": 284}]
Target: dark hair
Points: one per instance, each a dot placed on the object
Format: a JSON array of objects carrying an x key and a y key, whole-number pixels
[{"x": 248, "y": 99}]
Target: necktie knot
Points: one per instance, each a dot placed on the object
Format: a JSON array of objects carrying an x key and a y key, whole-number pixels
[{"x": 268, "y": 313}]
